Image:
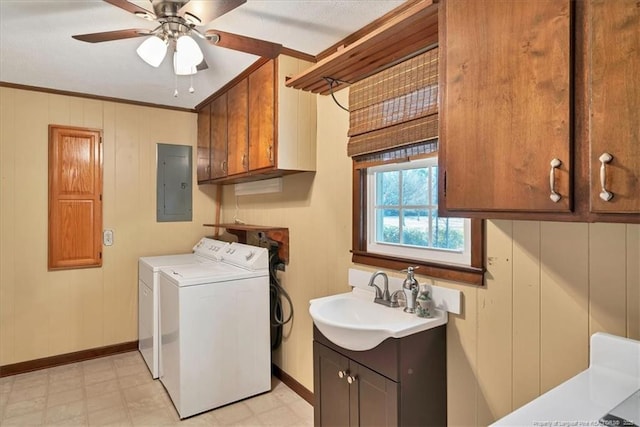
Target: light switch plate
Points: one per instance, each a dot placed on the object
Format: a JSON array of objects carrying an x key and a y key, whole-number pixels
[{"x": 107, "y": 237}]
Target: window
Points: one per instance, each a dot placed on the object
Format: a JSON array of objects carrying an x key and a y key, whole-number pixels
[
  {"x": 396, "y": 221},
  {"x": 402, "y": 206}
]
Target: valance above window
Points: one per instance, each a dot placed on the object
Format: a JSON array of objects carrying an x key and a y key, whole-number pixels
[{"x": 395, "y": 107}]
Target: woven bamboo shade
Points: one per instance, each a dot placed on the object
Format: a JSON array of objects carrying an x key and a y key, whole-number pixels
[{"x": 395, "y": 107}]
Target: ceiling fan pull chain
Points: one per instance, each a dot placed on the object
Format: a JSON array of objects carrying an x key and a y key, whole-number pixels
[
  {"x": 175, "y": 92},
  {"x": 191, "y": 89}
]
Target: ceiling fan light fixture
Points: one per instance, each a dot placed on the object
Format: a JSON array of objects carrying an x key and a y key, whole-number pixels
[
  {"x": 182, "y": 68},
  {"x": 152, "y": 51},
  {"x": 188, "y": 53}
]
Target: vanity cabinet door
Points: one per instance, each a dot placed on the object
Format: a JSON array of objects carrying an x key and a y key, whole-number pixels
[
  {"x": 373, "y": 397},
  {"x": 331, "y": 392}
]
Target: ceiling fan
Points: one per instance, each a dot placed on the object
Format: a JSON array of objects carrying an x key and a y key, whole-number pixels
[{"x": 177, "y": 21}]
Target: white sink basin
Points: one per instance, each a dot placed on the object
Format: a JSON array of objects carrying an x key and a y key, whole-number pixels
[{"x": 355, "y": 322}]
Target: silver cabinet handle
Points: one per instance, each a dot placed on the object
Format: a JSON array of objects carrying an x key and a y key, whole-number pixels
[
  {"x": 342, "y": 374},
  {"x": 270, "y": 153},
  {"x": 223, "y": 165},
  {"x": 351, "y": 379},
  {"x": 555, "y": 197},
  {"x": 604, "y": 159}
]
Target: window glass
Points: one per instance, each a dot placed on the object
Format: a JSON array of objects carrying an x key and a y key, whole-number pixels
[{"x": 403, "y": 215}]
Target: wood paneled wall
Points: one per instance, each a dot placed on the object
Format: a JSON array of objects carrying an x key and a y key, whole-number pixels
[
  {"x": 46, "y": 313},
  {"x": 549, "y": 286}
]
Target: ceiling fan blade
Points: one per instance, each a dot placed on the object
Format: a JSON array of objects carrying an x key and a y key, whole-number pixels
[
  {"x": 107, "y": 36},
  {"x": 133, "y": 8},
  {"x": 207, "y": 11},
  {"x": 244, "y": 43}
]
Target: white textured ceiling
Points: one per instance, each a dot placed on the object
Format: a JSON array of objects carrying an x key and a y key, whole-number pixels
[{"x": 36, "y": 48}]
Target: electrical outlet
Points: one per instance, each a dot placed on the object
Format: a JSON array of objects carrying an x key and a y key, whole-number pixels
[{"x": 107, "y": 237}]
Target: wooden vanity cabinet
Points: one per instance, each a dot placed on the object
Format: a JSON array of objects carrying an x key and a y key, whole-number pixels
[
  {"x": 400, "y": 382},
  {"x": 532, "y": 95}
]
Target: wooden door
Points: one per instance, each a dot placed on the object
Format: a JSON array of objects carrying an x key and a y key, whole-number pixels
[
  {"x": 331, "y": 392},
  {"x": 204, "y": 147},
  {"x": 505, "y": 105},
  {"x": 237, "y": 133},
  {"x": 377, "y": 398},
  {"x": 262, "y": 117},
  {"x": 75, "y": 197},
  {"x": 613, "y": 67},
  {"x": 219, "y": 137}
]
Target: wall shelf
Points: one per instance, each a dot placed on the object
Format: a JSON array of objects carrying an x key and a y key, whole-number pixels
[{"x": 410, "y": 32}]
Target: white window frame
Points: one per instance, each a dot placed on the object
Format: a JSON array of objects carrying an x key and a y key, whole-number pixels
[{"x": 440, "y": 256}]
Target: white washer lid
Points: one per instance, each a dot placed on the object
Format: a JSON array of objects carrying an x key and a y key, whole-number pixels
[
  {"x": 157, "y": 262},
  {"x": 200, "y": 274}
]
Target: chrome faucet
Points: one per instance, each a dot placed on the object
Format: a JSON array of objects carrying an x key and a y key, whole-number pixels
[{"x": 382, "y": 296}]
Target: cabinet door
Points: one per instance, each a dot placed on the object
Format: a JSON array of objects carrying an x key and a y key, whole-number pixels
[
  {"x": 505, "y": 105},
  {"x": 262, "y": 117},
  {"x": 331, "y": 392},
  {"x": 614, "y": 105},
  {"x": 219, "y": 137},
  {"x": 376, "y": 397},
  {"x": 237, "y": 143},
  {"x": 204, "y": 152}
]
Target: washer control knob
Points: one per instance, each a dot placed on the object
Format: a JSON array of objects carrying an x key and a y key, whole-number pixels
[{"x": 250, "y": 255}]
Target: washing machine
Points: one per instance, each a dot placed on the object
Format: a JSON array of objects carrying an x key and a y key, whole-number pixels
[
  {"x": 205, "y": 251},
  {"x": 215, "y": 330}
]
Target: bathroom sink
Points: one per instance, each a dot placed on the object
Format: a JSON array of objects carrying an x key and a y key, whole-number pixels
[{"x": 353, "y": 321}]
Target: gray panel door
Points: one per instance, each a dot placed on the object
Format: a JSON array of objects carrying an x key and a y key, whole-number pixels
[{"x": 174, "y": 183}]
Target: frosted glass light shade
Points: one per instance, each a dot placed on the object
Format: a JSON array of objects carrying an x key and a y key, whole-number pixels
[
  {"x": 152, "y": 51},
  {"x": 188, "y": 52},
  {"x": 182, "y": 69}
]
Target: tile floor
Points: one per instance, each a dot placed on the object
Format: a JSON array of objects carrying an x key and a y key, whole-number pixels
[{"x": 118, "y": 391}]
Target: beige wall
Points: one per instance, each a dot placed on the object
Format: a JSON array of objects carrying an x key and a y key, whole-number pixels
[
  {"x": 46, "y": 313},
  {"x": 549, "y": 286}
]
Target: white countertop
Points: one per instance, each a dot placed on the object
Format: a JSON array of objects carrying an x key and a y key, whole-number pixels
[{"x": 613, "y": 376}]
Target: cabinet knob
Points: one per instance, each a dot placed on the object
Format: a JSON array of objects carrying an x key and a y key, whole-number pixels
[
  {"x": 351, "y": 379},
  {"x": 342, "y": 374},
  {"x": 604, "y": 159},
  {"x": 555, "y": 197}
]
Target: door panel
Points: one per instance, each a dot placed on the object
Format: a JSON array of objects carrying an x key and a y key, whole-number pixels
[
  {"x": 262, "y": 117},
  {"x": 237, "y": 122},
  {"x": 614, "y": 104},
  {"x": 219, "y": 137}
]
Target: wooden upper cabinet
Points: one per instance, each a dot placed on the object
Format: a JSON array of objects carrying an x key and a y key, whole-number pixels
[
  {"x": 505, "y": 72},
  {"x": 219, "y": 137},
  {"x": 613, "y": 65},
  {"x": 259, "y": 127},
  {"x": 75, "y": 198},
  {"x": 204, "y": 144},
  {"x": 262, "y": 117},
  {"x": 237, "y": 132}
]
